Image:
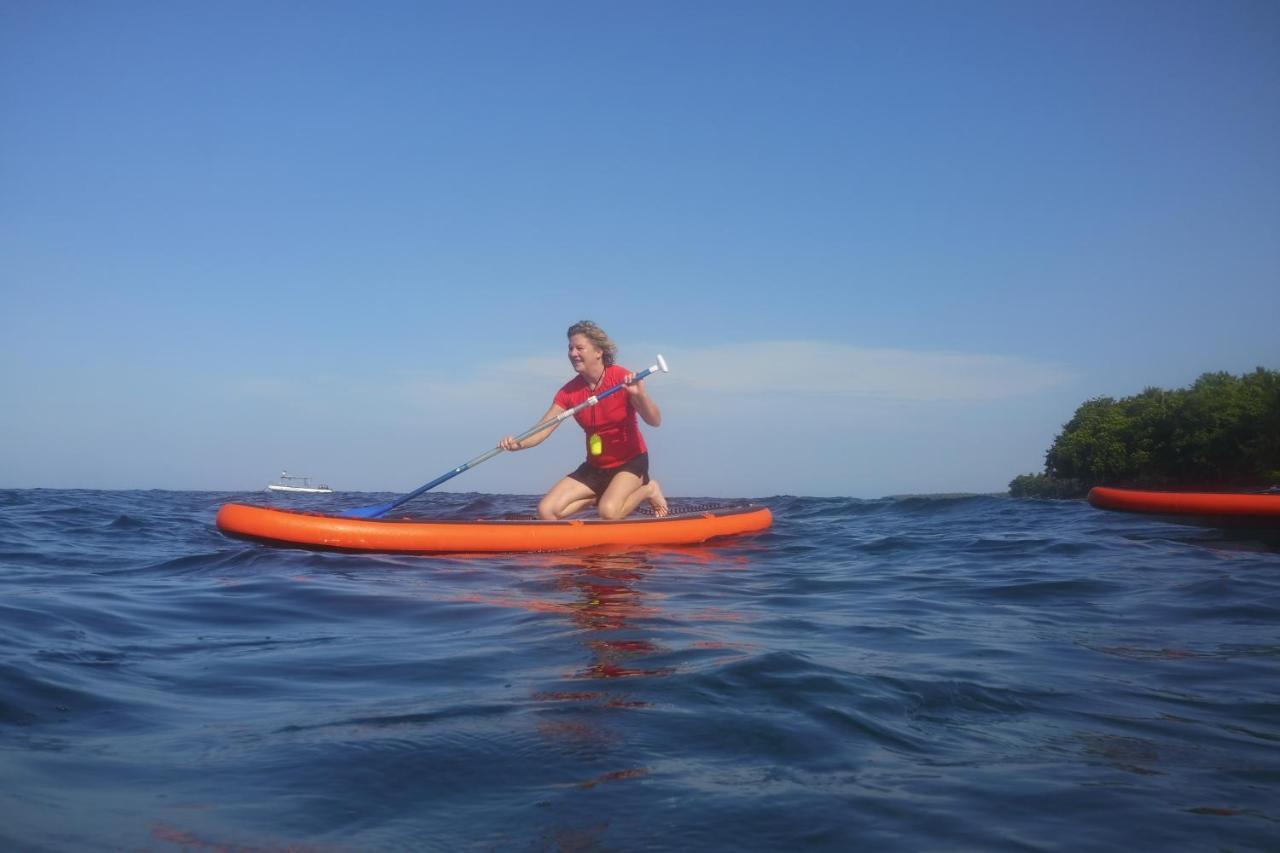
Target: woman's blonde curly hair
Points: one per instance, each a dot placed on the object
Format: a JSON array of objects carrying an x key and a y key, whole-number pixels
[{"x": 597, "y": 336}]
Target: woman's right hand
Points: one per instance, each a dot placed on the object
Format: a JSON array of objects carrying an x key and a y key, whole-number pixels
[{"x": 510, "y": 443}]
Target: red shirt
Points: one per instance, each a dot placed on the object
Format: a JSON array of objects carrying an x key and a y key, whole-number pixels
[{"x": 613, "y": 419}]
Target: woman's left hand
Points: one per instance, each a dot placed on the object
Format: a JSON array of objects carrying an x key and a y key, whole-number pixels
[{"x": 635, "y": 387}]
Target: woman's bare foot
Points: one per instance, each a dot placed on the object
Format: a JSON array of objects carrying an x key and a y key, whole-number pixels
[{"x": 657, "y": 499}]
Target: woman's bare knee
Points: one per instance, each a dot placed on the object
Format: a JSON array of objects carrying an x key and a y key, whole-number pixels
[
  {"x": 549, "y": 508},
  {"x": 611, "y": 510}
]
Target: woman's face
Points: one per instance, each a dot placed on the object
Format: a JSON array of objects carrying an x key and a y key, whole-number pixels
[{"x": 585, "y": 356}]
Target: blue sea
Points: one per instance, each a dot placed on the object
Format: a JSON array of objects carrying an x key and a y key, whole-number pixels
[{"x": 924, "y": 673}]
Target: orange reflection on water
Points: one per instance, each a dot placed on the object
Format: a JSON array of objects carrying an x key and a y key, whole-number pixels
[
  {"x": 603, "y": 593},
  {"x": 605, "y": 586},
  {"x": 185, "y": 839},
  {"x": 609, "y": 597},
  {"x": 621, "y": 622},
  {"x": 615, "y": 776}
]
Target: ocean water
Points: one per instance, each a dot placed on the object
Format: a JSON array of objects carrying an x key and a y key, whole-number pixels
[{"x": 953, "y": 673}]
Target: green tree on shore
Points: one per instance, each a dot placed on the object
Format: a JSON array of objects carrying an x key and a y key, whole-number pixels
[{"x": 1221, "y": 433}]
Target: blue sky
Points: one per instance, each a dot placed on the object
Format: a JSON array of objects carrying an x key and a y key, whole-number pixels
[{"x": 886, "y": 247}]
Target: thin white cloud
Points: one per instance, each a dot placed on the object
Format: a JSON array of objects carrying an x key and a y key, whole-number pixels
[
  {"x": 261, "y": 386},
  {"x": 497, "y": 381},
  {"x": 793, "y": 368},
  {"x": 818, "y": 368}
]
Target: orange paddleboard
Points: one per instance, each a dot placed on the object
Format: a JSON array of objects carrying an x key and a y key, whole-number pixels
[
  {"x": 329, "y": 532},
  {"x": 1215, "y": 509}
]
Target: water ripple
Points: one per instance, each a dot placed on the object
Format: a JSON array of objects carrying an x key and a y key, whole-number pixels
[{"x": 957, "y": 672}]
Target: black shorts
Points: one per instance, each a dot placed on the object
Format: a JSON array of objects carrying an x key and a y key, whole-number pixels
[{"x": 598, "y": 479}]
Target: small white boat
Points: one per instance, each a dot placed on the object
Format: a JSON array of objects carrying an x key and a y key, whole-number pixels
[{"x": 297, "y": 483}]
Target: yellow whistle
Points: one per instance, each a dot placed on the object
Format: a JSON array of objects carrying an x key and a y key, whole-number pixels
[{"x": 596, "y": 444}]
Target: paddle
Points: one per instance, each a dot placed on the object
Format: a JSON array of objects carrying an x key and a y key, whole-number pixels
[{"x": 383, "y": 509}]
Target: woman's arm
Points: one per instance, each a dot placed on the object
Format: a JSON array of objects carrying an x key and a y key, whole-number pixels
[
  {"x": 644, "y": 404},
  {"x": 510, "y": 443}
]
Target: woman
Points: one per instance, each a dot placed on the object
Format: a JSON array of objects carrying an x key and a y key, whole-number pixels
[{"x": 615, "y": 476}]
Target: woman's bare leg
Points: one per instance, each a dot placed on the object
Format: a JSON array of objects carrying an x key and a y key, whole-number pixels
[
  {"x": 657, "y": 499},
  {"x": 626, "y": 492},
  {"x": 565, "y": 498}
]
